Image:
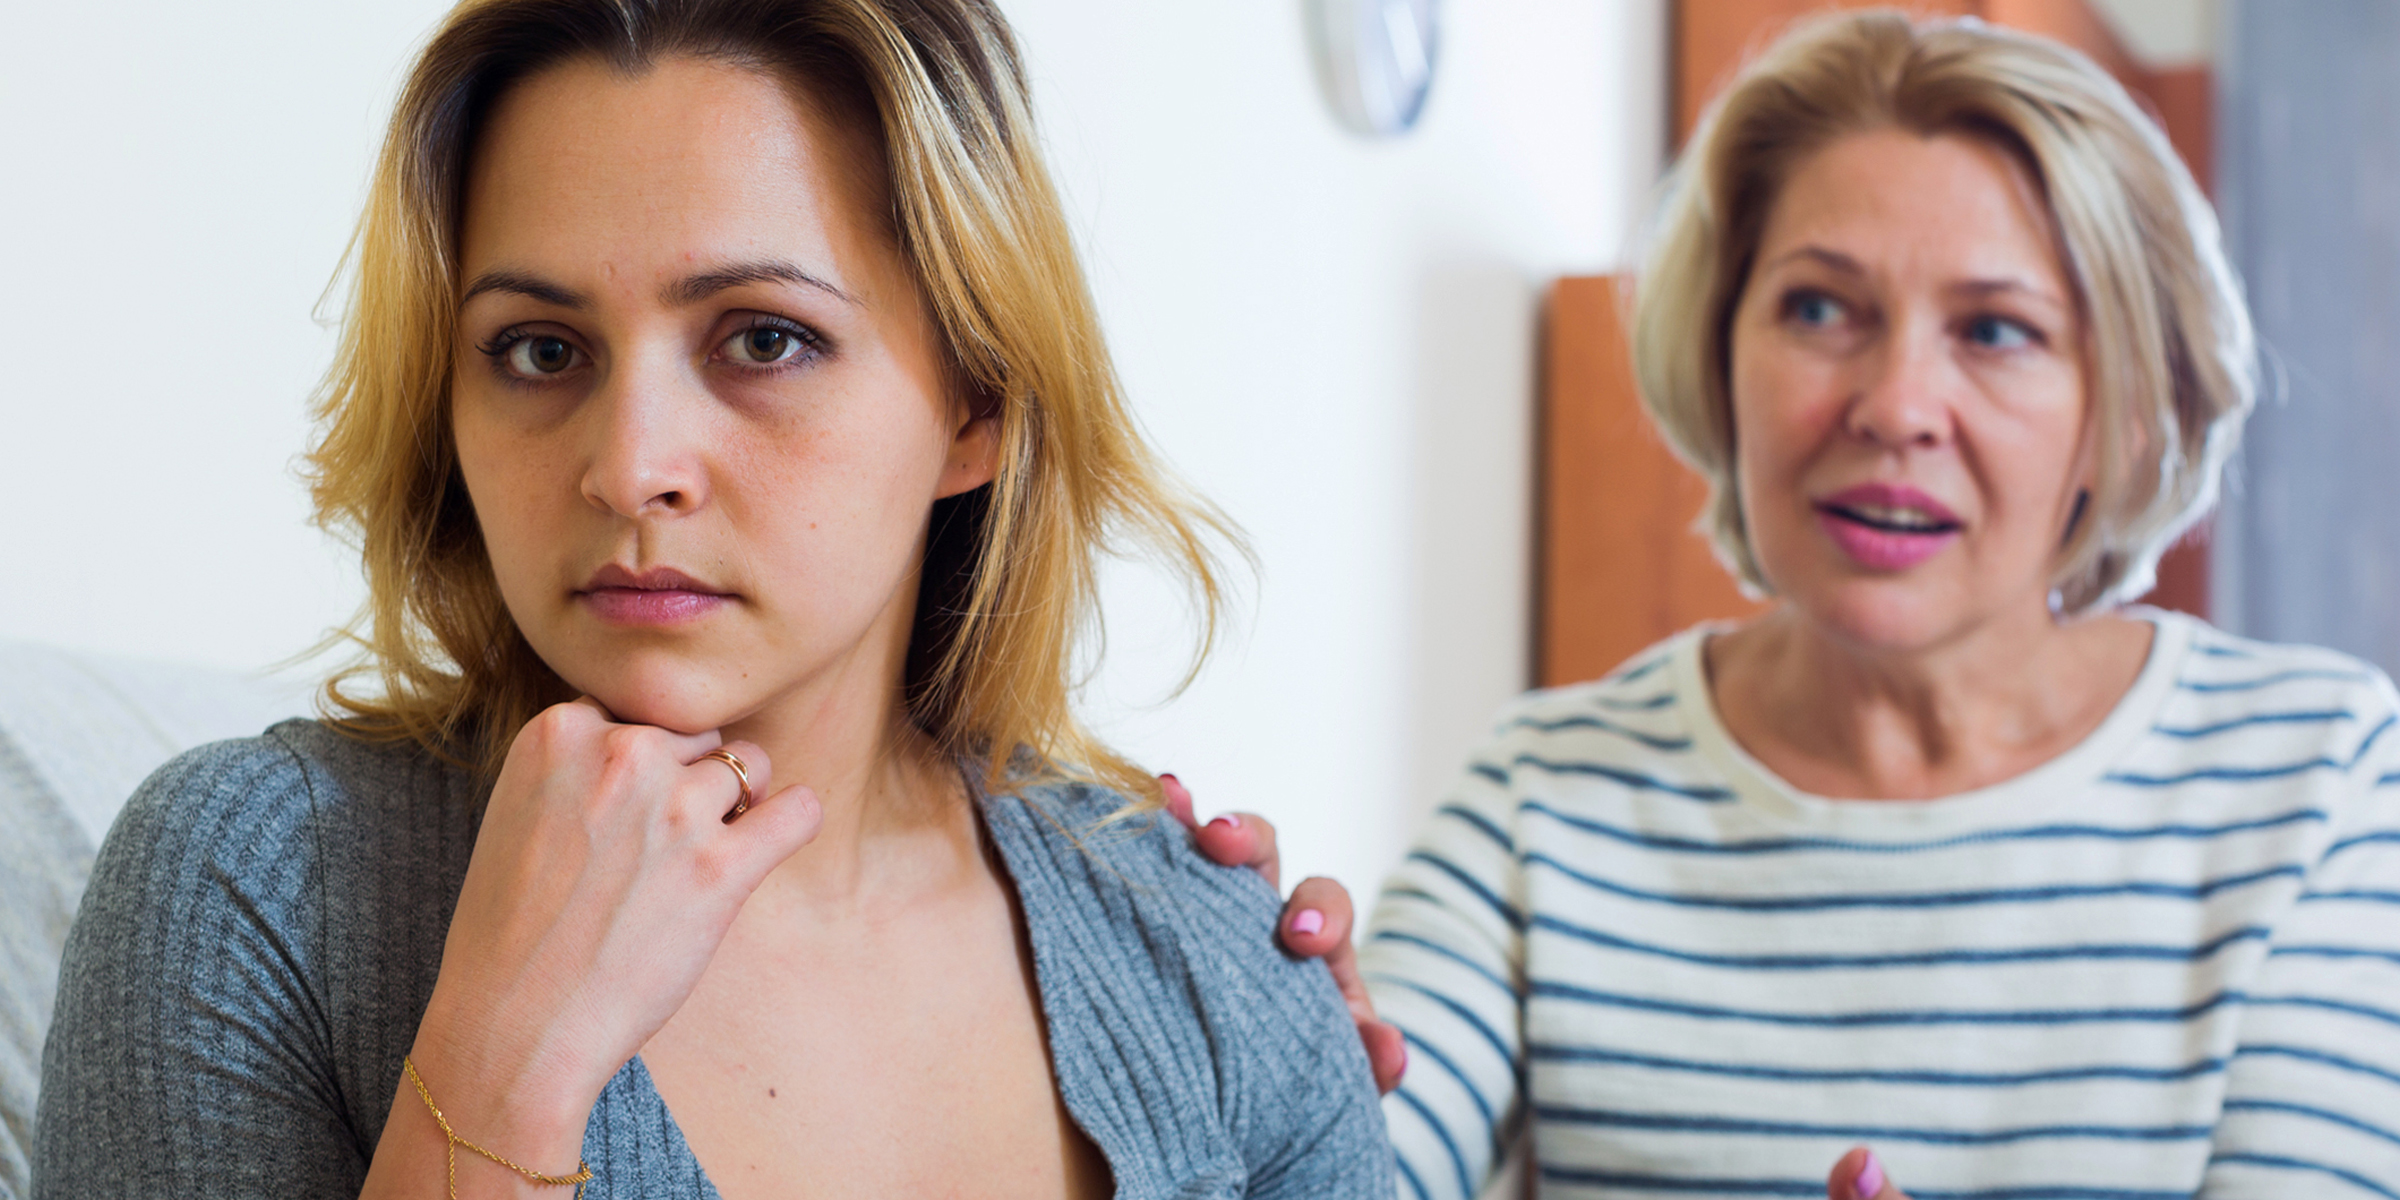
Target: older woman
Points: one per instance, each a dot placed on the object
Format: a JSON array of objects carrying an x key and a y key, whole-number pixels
[
  {"x": 730, "y": 438},
  {"x": 1947, "y": 853}
]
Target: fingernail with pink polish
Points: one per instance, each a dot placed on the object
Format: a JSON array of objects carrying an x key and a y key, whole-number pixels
[
  {"x": 1309, "y": 921},
  {"x": 1229, "y": 821},
  {"x": 1869, "y": 1183}
]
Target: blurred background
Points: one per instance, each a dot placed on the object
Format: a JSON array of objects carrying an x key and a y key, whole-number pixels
[{"x": 1390, "y": 359}]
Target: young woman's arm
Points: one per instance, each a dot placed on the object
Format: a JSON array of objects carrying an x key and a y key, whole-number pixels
[
  {"x": 604, "y": 877},
  {"x": 222, "y": 964}
]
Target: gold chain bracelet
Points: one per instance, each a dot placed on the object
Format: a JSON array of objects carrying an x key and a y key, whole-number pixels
[{"x": 583, "y": 1170}]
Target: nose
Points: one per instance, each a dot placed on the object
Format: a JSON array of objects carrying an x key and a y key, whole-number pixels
[
  {"x": 646, "y": 455},
  {"x": 1902, "y": 403}
]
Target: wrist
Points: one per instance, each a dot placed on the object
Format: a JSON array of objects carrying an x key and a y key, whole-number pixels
[{"x": 510, "y": 1088}]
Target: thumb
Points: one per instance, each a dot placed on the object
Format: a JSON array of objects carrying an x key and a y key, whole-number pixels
[{"x": 1860, "y": 1176}]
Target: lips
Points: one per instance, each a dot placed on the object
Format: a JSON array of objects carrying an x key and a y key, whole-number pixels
[
  {"x": 656, "y": 597},
  {"x": 1887, "y": 527}
]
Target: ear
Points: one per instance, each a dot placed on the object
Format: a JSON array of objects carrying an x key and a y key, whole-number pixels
[
  {"x": 2081, "y": 484},
  {"x": 974, "y": 451}
]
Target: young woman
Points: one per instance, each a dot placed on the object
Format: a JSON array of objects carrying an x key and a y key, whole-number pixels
[{"x": 729, "y": 437}]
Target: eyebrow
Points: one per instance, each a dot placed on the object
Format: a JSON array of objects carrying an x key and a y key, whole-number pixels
[
  {"x": 1831, "y": 258},
  {"x": 1838, "y": 261},
  {"x": 2010, "y": 287},
  {"x": 689, "y": 290},
  {"x": 520, "y": 284},
  {"x": 696, "y": 288}
]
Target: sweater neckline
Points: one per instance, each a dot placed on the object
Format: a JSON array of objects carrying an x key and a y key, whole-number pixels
[
  {"x": 986, "y": 806},
  {"x": 2062, "y": 781}
]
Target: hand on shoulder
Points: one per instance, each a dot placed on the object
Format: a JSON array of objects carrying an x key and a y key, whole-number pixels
[{"x": 1315, "y": 923}]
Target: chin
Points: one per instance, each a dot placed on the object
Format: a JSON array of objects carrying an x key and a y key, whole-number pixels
[
  {"x": 1884, "y": 614},
  {"x": 670, "y": 692}
]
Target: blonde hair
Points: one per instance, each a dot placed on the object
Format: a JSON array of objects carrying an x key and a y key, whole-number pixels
[
  {"x": 1007, "y": 592},
  {"x": 2171, "y": 363}
]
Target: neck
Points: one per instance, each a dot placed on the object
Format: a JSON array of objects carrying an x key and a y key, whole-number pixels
[
  {"x": 894, "y": 806},
  {"x": 1841, "y": 718}
]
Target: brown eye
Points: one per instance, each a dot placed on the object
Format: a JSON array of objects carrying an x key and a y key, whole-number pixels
[
  {"x": 539, "y": 355},
  {"x": 763, "y": 346}
]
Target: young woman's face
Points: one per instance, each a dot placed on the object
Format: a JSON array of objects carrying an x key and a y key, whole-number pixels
[
  {"x": 1908, "y": 390},
  {"x": 700, "y": 408}
]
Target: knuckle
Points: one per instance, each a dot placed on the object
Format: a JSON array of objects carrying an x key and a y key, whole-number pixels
[
  {"x": 713, "y": 866},
  {"x": 548, "y": 729},
  {"x": 626, "y": 743},
  {"x": 618, "y": 773}
]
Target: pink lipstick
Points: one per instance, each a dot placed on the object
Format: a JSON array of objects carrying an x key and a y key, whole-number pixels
[
  {"x": 1887, "y": 527},
  {"x": 658, "y": 596}
]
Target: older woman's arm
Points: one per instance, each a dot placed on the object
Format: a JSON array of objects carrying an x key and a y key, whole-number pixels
[
  {"x": 1445, "y": 964},
  {"x": 2312, "y": 1094}
]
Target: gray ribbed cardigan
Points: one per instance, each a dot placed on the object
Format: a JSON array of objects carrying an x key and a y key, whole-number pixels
[{"x": 265, "y": 922}]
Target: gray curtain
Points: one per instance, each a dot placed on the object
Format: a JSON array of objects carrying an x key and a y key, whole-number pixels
[{"x": 2308, "y": 544}]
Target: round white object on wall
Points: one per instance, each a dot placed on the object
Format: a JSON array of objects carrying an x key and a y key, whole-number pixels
[{"x": 1376, "y": 60}]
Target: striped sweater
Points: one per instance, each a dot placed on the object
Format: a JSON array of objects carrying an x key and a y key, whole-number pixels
[{"x": 2166, "y": 963}]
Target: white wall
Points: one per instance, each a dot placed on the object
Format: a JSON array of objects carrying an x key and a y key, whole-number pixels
[
  {"x": 1333, "y": 338},
  {"x": 179, "y": 182}
]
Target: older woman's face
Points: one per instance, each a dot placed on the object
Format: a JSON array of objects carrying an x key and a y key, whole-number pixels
[
  {"x": 1908, "y": 390},
  {"x": 699, "y": 406}
]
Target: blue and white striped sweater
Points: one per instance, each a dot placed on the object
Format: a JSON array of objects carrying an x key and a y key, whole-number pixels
[{"x": 2165, "y": 964}]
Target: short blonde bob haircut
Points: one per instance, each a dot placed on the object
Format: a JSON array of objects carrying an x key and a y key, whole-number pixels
[
  {"x": 2170, "y": 363},
  {"x": 1007, "y": 590}
]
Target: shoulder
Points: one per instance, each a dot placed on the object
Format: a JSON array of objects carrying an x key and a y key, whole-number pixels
[
  {"x": 1630, "y": 731},
  {"x": 2279, "y": 728},
  {"x": 214, "y": 809},
  {"x": 1104, "y": 835},
  {"x": 243, "y": 840},
  {"x": 1645, "y": 682},
  {"x": 263, "y": 924},
  {"x": 1084, "y": 858},
  {"x": 2235, "y": 696},
  {"x": 1160, "y": 975},
  {"x": 2243, "y": 672},
  {"x": 273, "y": 798}
]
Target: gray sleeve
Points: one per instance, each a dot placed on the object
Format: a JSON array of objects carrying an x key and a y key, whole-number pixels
[
  {"x": 1298, "y": 1092},
  {"x": 191, "y": 1050}
]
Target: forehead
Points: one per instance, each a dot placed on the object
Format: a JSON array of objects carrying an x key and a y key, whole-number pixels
[
  {"x": 687, "y": 159},
  {"x": 1948, "y": 203}
]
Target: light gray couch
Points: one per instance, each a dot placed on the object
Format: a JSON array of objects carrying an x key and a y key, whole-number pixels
[{"x": 78, "y": 733}]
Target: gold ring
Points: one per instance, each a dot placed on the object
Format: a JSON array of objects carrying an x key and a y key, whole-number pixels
[{"x": 740, "y": 772}]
